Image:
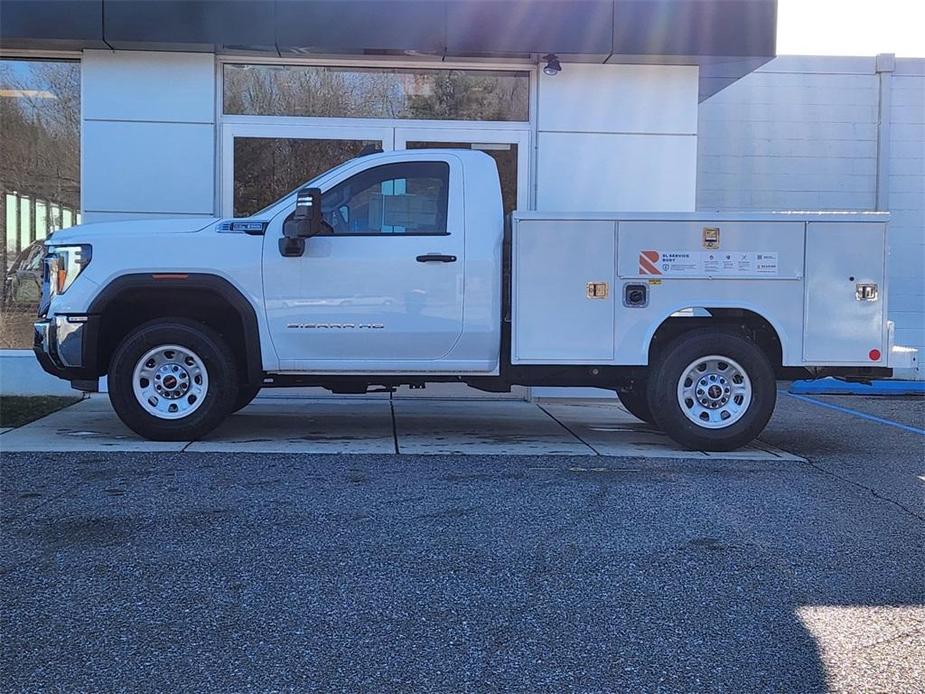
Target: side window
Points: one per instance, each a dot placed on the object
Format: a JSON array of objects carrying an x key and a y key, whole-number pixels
[
  {"x": 35, "y": 259},
  {"x": 403, "y": 198}
]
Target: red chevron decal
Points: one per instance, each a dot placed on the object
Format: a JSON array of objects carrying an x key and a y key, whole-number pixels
[{"x": 647, "y": 263}]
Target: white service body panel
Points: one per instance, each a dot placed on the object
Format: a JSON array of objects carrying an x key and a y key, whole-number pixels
[
  {"x": 550, "y": 323},
  {"x": 840, "y": 327},
  {"x": 798, "y": 271}
]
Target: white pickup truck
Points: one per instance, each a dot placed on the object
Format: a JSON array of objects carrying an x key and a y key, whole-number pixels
[{"x": 398, "y": 268}]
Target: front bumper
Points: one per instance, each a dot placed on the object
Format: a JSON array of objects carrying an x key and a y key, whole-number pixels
[{"x": 66, "y": 346}]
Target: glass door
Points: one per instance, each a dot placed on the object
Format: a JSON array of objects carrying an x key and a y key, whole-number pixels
[
  {"x": 261, "y": 163},
  {"x": 509, "y": 148}
]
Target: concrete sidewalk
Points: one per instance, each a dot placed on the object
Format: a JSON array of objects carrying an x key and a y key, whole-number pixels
[{"x": 279, "y": 424}]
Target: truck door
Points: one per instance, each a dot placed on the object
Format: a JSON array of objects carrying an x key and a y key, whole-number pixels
[{"x": 384, "y": 284}]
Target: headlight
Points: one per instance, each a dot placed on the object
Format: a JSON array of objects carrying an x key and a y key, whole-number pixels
[{"x": 63, "y": 264}]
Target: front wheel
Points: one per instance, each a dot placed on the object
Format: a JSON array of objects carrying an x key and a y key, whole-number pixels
[
  {"x": 173, "y": 380},
  {"x": 712, "y": 390}
]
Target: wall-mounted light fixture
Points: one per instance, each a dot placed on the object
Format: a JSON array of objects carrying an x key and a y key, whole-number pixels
[{"x": 552, "y": 67}]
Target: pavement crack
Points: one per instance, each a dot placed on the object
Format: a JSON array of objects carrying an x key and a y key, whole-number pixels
[
  {"x": 45, "y": 502},
  {"x": 871, "y": 490},
  {"x": 897, "y": 637}
]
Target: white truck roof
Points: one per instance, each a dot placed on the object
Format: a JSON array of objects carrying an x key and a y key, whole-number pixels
[{"x": 715, "y": 216}]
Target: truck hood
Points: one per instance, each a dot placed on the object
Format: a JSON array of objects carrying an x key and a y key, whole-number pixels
[{"x": 84, "y": 233}]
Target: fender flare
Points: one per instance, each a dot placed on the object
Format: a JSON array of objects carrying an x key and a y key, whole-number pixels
[
  {"x": 781, "y": 333},
  {"x": 193, "y": 282}
]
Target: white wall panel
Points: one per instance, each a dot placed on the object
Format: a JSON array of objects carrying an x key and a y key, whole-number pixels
[
  {"x": 613, "y": 173},
  {"x": 619, "y": 98},
  {"x": 906, "y": 263},
  {"x": 148, "y": 86},
  {"x": 20, "y": 374},
  {"x": 148, "y": 137},
  {"x": 92, "y": 216},
  {"x": 148, "y": 167},
  {"x": 782, "y": 137}
]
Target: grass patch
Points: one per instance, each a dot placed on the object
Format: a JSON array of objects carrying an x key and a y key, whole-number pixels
[
  {"x": 16, "y": 410},
  {"x": 16, "y": 330}
]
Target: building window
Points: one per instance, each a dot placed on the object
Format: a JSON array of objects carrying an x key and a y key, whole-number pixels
[
  {"x": 266, "y": 168},
  {"x": 393, "y": 93},
  {"x": 39, "y": 178},
  {"x": 504, "y": 154}
]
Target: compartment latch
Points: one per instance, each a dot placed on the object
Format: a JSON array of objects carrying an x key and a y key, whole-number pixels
[
  {"x": 866, "y": 291},
  {"x": 597, "y": 290}
]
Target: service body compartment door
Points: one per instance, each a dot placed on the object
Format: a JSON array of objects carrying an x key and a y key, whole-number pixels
[
  {"x": 841, "y": 326},
  {"x": 563, "y": 291}
]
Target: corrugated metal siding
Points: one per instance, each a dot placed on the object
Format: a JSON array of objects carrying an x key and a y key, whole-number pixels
[
  {"x": 801, "y": 133},
  {"x": 907, "y": 202}
]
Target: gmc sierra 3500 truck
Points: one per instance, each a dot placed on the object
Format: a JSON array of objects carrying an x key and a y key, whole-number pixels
[{"x": 398, "y": 268}]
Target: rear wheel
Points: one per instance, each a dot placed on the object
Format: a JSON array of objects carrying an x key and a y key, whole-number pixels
[
  {"x": 636, "y": 401},
  {"x": 172, "y": 380},
  {"x": 712, "y": 390}
]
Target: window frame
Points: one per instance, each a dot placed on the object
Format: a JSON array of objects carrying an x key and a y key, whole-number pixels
[
  {"x": 230, "y": 126},
  {"x": 443, "y": 203},
  {"x": 528, "y": 71}
]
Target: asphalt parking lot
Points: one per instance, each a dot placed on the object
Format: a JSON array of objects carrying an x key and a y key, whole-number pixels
[{"x": 170, "y": 570}]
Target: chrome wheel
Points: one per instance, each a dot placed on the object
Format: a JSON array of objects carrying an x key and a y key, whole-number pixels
[
  {"x": 170, "y": 382},
  {"x": 714, "y": 392}
]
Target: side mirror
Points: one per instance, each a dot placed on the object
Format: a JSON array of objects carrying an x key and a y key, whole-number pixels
[{"x": 306, "y": 220}]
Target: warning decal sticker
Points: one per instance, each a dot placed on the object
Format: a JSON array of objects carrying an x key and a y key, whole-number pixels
[
  {"x": 681, "y": 263},
  {"x": 766, "y": 263},
  {"x": 672, "y": 263},
  {"x": 708, "y": 263}
]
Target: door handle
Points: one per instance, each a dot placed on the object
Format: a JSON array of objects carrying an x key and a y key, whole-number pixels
[{"x": 436, "y": 258}]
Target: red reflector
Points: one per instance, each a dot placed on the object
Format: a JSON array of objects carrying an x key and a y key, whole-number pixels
[
  {"x": 874, "y": 355},
  {"x": 169, "y": 276}
]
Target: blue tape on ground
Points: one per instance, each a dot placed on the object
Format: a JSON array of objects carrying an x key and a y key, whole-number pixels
[
  {"x": 831, "y": 386},
  {"x": 862, "y": 415}
]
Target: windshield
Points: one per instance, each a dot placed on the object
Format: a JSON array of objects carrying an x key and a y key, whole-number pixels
[{"x": 273, "y": 204}]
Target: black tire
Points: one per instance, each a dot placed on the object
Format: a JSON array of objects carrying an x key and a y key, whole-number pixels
[
  {"x": 636, "y": 401},
  {"x": 246, "y": 395},
  {"x": 220, "y": 368},
  {"x": 669, "y": 368}
]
